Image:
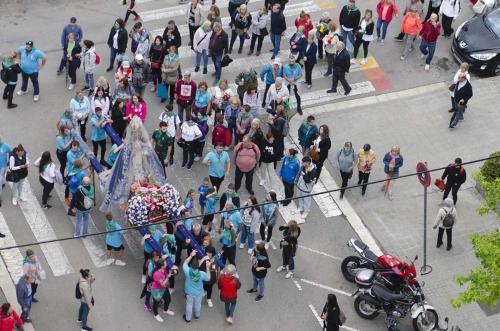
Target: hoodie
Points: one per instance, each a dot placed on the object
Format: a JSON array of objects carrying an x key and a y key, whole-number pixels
[
  {"x": 89, "y": 58},
  {"x": 81, "y": 108},
  {"x": 289, "y": 169},
  {"x": 306, "y": 180},
  {"x": 349, "y": 17},
  {"x": 86, "y": 291}
]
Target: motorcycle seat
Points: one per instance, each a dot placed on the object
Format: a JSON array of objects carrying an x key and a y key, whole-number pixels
[
  {"x": 386, "y": 294},
  {"x": 370, "y": 255},
  {"x": 361, "y": 245}
]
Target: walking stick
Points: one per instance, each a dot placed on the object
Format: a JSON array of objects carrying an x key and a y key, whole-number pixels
[{"x": 67, "y": 65}]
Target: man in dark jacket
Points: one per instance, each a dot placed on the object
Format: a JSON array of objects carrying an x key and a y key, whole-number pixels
[
  {"x": 456, "y": 176},
  {"x": 24, "y": 296},
  {"x": 217, "y": 47},
  {"x": 349, "y": 20},
  {"x": 117, "y": 42},
  {"x": 12, "y": 70},
  {"x": 198, "y": 234},
  {"x": 461, "y": 95},
  {"x": 341, "y": 65},
  {"x": 278, "y": 28},
  {"x": 82, "y": 202},
  {"x": 171, "y": 35}
]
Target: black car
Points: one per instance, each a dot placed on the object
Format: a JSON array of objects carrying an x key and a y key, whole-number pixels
[{"x": 477, "y": 42}]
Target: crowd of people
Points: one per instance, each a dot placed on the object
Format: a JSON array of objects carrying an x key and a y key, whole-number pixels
[{"x": 247, "y": 129}]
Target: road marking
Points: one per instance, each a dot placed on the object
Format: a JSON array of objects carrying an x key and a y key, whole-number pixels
[
  {"x": 312, "y": 250},
  {"x": 93, "y": 244},
  {"x": 12, "y": 258},
  {"x": 326, "y": 287},
  {"x": 297, "y": 284},
  {"x": 173, "y": 11},
  {"x": 42, "y": 230},
  {"x": 315, "y": 313}
]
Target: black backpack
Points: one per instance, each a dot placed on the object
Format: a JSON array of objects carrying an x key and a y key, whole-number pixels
[
  {"x": 448, "y": 219},
  {"x": 3, "y": 75},
  {"x": 78, "y": 294}
]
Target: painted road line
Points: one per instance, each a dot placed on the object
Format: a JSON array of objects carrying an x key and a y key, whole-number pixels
[
  {"x": 331, "y": 289},
  {"x": 297, "y": 284},
  {"x": 42, "y": 230},
  {"x": 93, "y": 244},
  {"x": 173, "y": 11},
  {"x": 320, "y": 321},
  {"x": 312, "y": 250},
  {"x": 12, "y": 258}
]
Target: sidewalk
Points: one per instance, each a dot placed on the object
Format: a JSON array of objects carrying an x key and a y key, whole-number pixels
[{"x": 417, "y": 121}]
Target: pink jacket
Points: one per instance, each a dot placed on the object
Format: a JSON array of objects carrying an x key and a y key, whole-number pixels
[
  {"x": 132, "y": 110},
  {"x": 391, "y": 11},
  {"x": 246, "y": 159},
  {"x": 7, "y": 323}
]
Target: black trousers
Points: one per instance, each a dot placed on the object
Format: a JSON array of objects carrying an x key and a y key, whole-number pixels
[
  {"x": 62, "y": 157},
  {"x": 262, "y": 231},
  {"x": 288, "y": 191},
  {"x": 233, "y": 39},
  {"x": 239, "y": 176},
  {"x": 329, "y": 61},
  {"x": 192, "y": 30},
  {"x": 96, "y": 145},
  {"x": 320, "y": 48},
  {"x": 363, "y": 178},
  {"x": 339, "y": 75},
  {"x": 357, "y": 44},
  {"x": 47, "y": 188},
  {"x": 309, "y": 69},
  {"x": 447, "y": 29},
  {"x": 127, "y": 15},
  {"x": 259, "y": 40},
  {"x": 431, "y": 10},
  {"x": 448, "y": 236},
  {"x": 72, "y": 72},
  {"x": 166, "y": 302},
  {"x": 265, "y": 95},
  {"x": 188, "y": 153},
  {"x": 8, "y": 93},
  {"x": 345, "y": 179},
  {"x": 454, "y": 190},
  {"x": 229, "y": 254},
  {"x": 83, "y": 128},
  {"x": 216, "y": 182},
  {"x": 296, "y": 93}
]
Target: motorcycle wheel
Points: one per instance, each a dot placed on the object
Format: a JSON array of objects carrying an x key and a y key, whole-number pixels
[
  {"x": 347, "y": 266},
  {"x": 365, "y": 308},
  {"x": 426, "y": 323}
]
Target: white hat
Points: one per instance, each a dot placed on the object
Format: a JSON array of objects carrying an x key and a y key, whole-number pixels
[
  {"x": 125, "y": 64},
  {"x": 139, "y": 57},
  {"x": 277, "y": 61}
]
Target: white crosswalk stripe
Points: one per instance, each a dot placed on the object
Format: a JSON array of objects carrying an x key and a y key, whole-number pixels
[
  {"x": 42, "y": 230},
  {"x": 13, "y": 258},
  {"x": 173, "y": 11}
]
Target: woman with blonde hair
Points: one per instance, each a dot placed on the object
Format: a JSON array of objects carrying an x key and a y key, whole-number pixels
[
  {"x": 240, "y": 23},
  {"x": 393, "y": 160},
  {"x": 289, "y": 243},
  {"x": 229, "y": 284}
]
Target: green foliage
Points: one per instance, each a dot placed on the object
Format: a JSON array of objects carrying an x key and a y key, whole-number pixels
[
  {"x": 491, "y": 168},
  {"x": 484, "y": 281},
  {"x": 491, "y": 193}
]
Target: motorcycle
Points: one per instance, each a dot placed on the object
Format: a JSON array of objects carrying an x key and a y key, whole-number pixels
[
  {"x": 390, "y": 267},
  {"x": 375, "y": 298}
]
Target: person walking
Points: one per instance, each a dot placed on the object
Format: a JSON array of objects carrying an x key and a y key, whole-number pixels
[
  {"x": 340, "y": 67},
  {"x": 229, "y": 284},
  {"x": 415, "y": 4},
  {"x": 455, "y": 176},
  {"x": 305, "y": 181},
  {"x": 74, "y": 60},
  {"x": 77, "y": 32},
  {"x": 386, "y": 10},
  {"x": 278, "y": 28},
  {"x": 349, "y": 19},
  {"x": 449, "y": 11},
  {"x": 364, "y": 35},
  {"x": 330, "y": 41},
  {"x": 190, "y": 133},
  {"x": 201, "y": 42},
  {"x": 462, "y": 93},
  {"x": 260, "y": 19},
  {"x": 289, "y": 170},
  {"x": 163, "y": 143},
  {"x": 193, "y": 286},
  {"x": 269, "y": 216},
  {"x": 307, "y": 132},
  {"x": 214, "y": 266},
  {"x": 231, "y": 115},
  {"x": 82, "y": 201},
  {"x": 9, "y": 319},
  {"x": 247, "y": 156},
  {"x": 23, "y": 295},
  {"x": 33, "y": 268},
  {"x": 240, "y": 23},
  {"x": 429, "y": 34},
  {"x": 193, "y": 19},
  {"x": 63, "y": 144},
  {"x": 411, "y": 26},
  {"x": 298, "y": 43},
  {"x": 228, "y": 238},
  {"x": 310, "y": 59},
  {"x": 140, "y": 40},
  {"x": 260, "y": 264},
  {"x": 86, "y": 298},
  {"x": 18, "y": 165},
  {"x": 331, "y": 315},
  {"x": 32, "y": 60},
  {"x": 117, "y": 43},
  {"x": 214, "y": 15},
  {"x": 80, "y": 107},
  {"x": 219, "y": 45},
  {"x": 47, "y": 176},
  {"x": 219, "y": 164},
  {"x": 288, "y": 244},
  {"x": 346, "y": 159},
  {"x": 269, "y": 74},
  {"x": 393, "y": 160},
  {"x": 12, "y": 70},
  {"x": 366, "y": 160},
  {"x": 114, "y": 241},
  {"x": 446, "y": 218},
  {"x": 320, "y": 146},
  {"x": 292, "y": 73},
  {"x": 5, "y": 150},
  {"x": 159, "y": 290},
  {"x": 131, "y": 9},
  {"x": 185, "y": 92}
]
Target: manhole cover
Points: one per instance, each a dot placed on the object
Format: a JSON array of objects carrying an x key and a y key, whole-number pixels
[{"x": 443, "y": 63}]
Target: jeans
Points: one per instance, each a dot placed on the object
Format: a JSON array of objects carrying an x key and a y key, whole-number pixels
[
  {"x": 193, "y": 302},
  {"x": 458, "y": 115},
  {"x": 83, "y": 313},
  {"x": 229, "y": 307},
  {"x": 205, "y": 58},
  {"x": 288, "y": 191},
  {"x": 363, "y": 177},
  {"x": 26, "y": 314},
  {"x": 3, "y": 171},
  {"x": 247, "y": 236},
  {"x": 259, "y": 282},
  {"x": 448, "y": 236},
  {"x": 233, "y": 39},
  {"x": 183, "y": 107},
  {"x": 383, "y": 25},
  {"x": 140, "y": 90},
  {"x": 17, "y": 189},
  {"x": 276, "y": 40},
  {"x": 239, "y": 176},
  {"x": 34, "y": 80},
  {"x": 217, "y": 60},
  {"x": 89, "y": 81},
  {"x": 82, "y": 216},
  {"x": 304, "y": 202},
  {"x": 263, "y": 232},
  {"x": 259, "y": 40},
  {"x": 47, "y": 188},
  {"x": 234, "y": 134},
  {"x": 112, "y": 57},
  {"x": 428, "y": 49},
  {"x": 348, "y": 37}
]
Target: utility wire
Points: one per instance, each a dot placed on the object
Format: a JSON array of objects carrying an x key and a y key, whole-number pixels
[{"x": 135, "y": 227}]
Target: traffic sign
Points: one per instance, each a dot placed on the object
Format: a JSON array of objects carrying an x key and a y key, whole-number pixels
[{"x": 423, "y": 174}]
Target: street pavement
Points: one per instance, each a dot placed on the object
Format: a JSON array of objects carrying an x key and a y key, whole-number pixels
[{"x": 288, "y": 304}]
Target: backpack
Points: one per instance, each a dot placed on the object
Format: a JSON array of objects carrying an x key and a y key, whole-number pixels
[
  {"x": 78, "y": 294},
  {"x": 97, "y": 58},
  {"x": 448, "y": 219},
  {"x": 3, "y": 74},
  {"x": 219, "y": 135}
]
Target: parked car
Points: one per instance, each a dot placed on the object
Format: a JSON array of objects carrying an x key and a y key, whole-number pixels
[{"x": 477, "y": 42}]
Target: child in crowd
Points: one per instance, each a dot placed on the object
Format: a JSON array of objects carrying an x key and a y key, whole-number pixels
[
  {"x": 203, "y": 190},
  {"x": 212, "y": 198},
  {"x": 189, "y": 200}
]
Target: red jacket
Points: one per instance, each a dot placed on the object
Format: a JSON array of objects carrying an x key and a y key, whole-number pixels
[
  {"x": 221, "y": 135},
  {"x": 306, "y": 22},
  {"x": 229, "y": 286},
  {"x": 430, "y": 33},
  {"x": 7, "y": 323},
  {"x": 391, "y": 11},
  {"x": 185, "y": 91}
]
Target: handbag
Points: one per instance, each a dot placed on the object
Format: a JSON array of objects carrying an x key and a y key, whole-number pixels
[
  {"x": 162, "y": 91},
  {"x": 313, "y": 153},
  {"x": 12, "y": 177},
  {"x": 226, "y": 60},
  {"x": 440, "y": 184},
  {"x": 342, "y": 317},
  {"x": 452, "y": 87},
  {"x": 182, "y": 143},
  {"x": 155, "y": 65},
  {"x": 263, "y": 32}
]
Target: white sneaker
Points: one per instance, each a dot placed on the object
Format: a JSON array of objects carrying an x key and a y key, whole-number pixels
[
  {"x": 143, "y": 279},
  {"x": 21, "y": 92},
  {"x": 229, "y": 320},
  {"x": 274, "y": 246},
  {"x": 210, "y": 303},
  {"x": 261, "y": 183},
  {"x": 382, "y": 42},
  {"x": 402, "y": 58},
  {"x": 171, "y": 290},
  {"x": 169, "y": 312},
  {"x": 289, "y": 274},
  {"x": 120, "y": 263},
  {"x": 14, "y": 202},
  {"x": 353, "y": 61},
  {"x": 363, "y": 61},
  {"x": 196, "y": 159},
  {"x": 36, "y": 98},
  {"x": 427, "y": 67},
  {"x": 242, "y": 246},
  {"x": 250, "y": 251},
  {"x": 110, "y": 261},
  {"x": 266, "y": 245},
  {"x": 158, "y": 318},
  {"x": 280, "y": 268},
  {"x": 71, "y": 86},
  {"x": 304, "y": 216}
]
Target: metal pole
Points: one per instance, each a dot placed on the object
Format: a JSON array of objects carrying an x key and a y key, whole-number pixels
[{"x": 425, "y": 268}]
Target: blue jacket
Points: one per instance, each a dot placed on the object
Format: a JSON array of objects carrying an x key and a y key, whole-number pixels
[
  {"x": 289, "y": 169},
  {"x": 307, "y": 133},
  {"x": 310, "y": 53},
  {"x": 77, "y": 32},
  {"x": 387, "y": 160},
  {"x": 23, "y": 293},
  {"x": 267, "y": 72}
]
